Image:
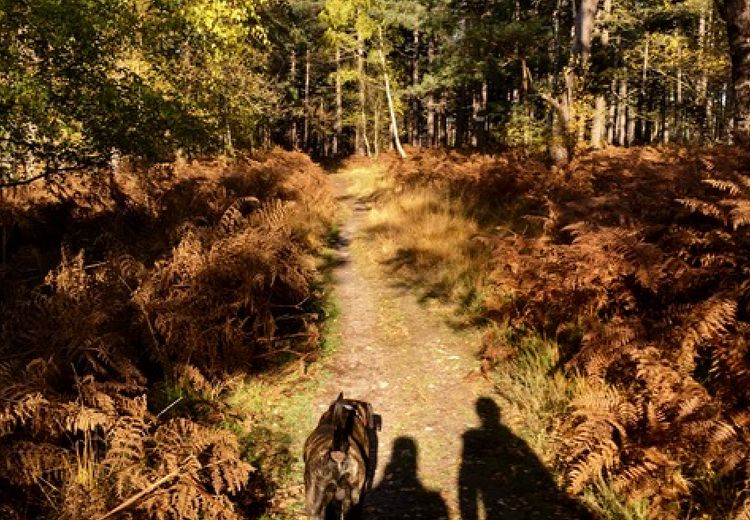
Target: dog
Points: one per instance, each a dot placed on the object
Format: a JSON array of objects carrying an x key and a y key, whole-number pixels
[{"x": 340, "y": 457}]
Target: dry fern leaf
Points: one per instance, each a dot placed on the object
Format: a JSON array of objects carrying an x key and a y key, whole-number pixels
[
  {"x": 275, "y": 215},
  {"x": 592, "y": 466},
  {"x": 742, "y": 512},
  {"x": 708, "y": 320},
  {"x": 18, "y": 413},
  {"x": 740, "y": 213},
  {"x": 25, "y": 463},
  {"x": 234, "y": 217},
  {"x": 704, "y": 208},
  {"x": 83, "y": 419},
  {"x": 724, "y": 185}
]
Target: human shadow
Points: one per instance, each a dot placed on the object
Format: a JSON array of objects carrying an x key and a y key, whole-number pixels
[
  {"x": 502, "y": 476},
  {"x": 401, "y": 495}
]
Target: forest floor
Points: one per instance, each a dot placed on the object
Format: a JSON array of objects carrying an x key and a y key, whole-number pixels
[{"x": 442, "y": 440}]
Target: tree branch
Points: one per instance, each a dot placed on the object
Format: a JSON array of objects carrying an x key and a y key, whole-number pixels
[
  {"x": 49, "y": 171},
  {"x": 135, "y": 498}
]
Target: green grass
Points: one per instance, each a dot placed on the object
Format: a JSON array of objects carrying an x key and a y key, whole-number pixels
[
  {"x": 537, "y": 396},
  {"x": 277, "y": 417},
  {"x": 331, "y": 330},
  {"x": 605, "y": 502}
]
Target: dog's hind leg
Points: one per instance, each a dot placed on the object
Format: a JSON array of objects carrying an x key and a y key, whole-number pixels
[
  {"x": 355, "y": 512},
  {"x": 372, "y": 458},
  {"x": 316, "y": 502}
]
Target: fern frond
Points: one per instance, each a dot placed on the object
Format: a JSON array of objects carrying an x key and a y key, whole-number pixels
[
  {"x": 708, "y": 320},
  {"x": 592, "y": 466},
  {"x": 704, "y": 208},
  {"x": 724, "y": 185},
  {"x": 740, "y": 213}
]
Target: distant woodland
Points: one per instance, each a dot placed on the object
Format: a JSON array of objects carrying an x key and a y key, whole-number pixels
[{"x": 85, "y": 80}]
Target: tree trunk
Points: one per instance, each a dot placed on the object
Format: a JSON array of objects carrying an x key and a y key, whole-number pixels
[
  {"x": 306, "y": 129},
  {"x": 362, "y": 142},
  {"x": 565, "y": 134},
  {"x": 622, "y": 116},
  {"x": 612, "y": 112},
  {"x": 583, "y": 31},
  {"x": 389, "y": 97},
  {"x": 293, "y": 140},
  {"x": 443, "y": 123},
  {"x": 630, "y": 137},
  {"x": 338, "y": 124},
  {"x": 666, "y": 128},
  {"x": 376, "y": 129},
  {"x": 598, "y": 123},
  {"x": 702, "y": 100},
  {"x": 678, "y": 99},
  {"x": 430, "y": 98},
  {"x": 641, "y": 128},
  {"x": 322, "y": 137},
  {"x": 415, "y": 102},
  {"x": 484, "y": 115},
  {"x": 736, "y": 13}
]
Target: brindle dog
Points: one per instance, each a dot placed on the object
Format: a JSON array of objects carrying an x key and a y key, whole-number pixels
[{"x": 340, "y": 457}]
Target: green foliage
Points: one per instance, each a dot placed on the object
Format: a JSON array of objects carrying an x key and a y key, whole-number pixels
[
  {"x": 81, "y": 78},
  {"x": 525, "y": 132}
]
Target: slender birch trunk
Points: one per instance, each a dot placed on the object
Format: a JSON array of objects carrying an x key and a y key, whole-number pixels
[
  {"x": 389, "y": 98},
  {"x": 293, "y": 138}
]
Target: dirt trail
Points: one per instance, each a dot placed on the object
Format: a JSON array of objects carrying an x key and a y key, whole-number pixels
[
  {"x": 444, "y": 452},
  {"x": 413, "y": 368}
]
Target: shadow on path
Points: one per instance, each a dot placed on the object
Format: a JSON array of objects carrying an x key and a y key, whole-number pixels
[
  {"x": 401, "y": 495},
  {"x": 502, "y": 476}
]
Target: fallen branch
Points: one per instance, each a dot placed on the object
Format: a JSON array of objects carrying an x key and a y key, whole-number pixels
[{"x": 135, "y": 498}]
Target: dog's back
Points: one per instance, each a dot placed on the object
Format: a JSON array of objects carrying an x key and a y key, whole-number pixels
[{"x": 338, "y": 458}]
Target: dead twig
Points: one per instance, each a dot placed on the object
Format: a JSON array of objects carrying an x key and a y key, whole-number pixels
[{"x": 135, "y": 498}]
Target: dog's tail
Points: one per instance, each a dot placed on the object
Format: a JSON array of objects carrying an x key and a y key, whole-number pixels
[{"x": 342, "y": 424}]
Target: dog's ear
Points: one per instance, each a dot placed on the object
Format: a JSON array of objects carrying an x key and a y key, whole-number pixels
[
  {"x": 338, "y": 456},
  {"x": 340, "y": 397}
]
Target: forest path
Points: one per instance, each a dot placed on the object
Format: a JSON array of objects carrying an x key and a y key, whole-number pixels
[{"x": 412, "y": 367}]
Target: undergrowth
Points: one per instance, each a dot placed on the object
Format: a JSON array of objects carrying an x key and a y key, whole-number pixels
[
  {"x": 136, "y": 306},
  {"x": 280, "y": 408},
  {"x": 618, "y": 292}
]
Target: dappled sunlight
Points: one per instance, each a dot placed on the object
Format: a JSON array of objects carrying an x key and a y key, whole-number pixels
[
  {"x": 604, "y": 284},
  {"x": 425, "y": 237}
]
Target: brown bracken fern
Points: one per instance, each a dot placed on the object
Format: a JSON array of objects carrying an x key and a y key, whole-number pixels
[
  {"x": 637, "y": 262},
  {"x": 179, "y": 277}
]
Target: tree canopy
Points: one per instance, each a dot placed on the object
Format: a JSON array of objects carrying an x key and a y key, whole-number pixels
[{"x": 83, "y": 79}]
